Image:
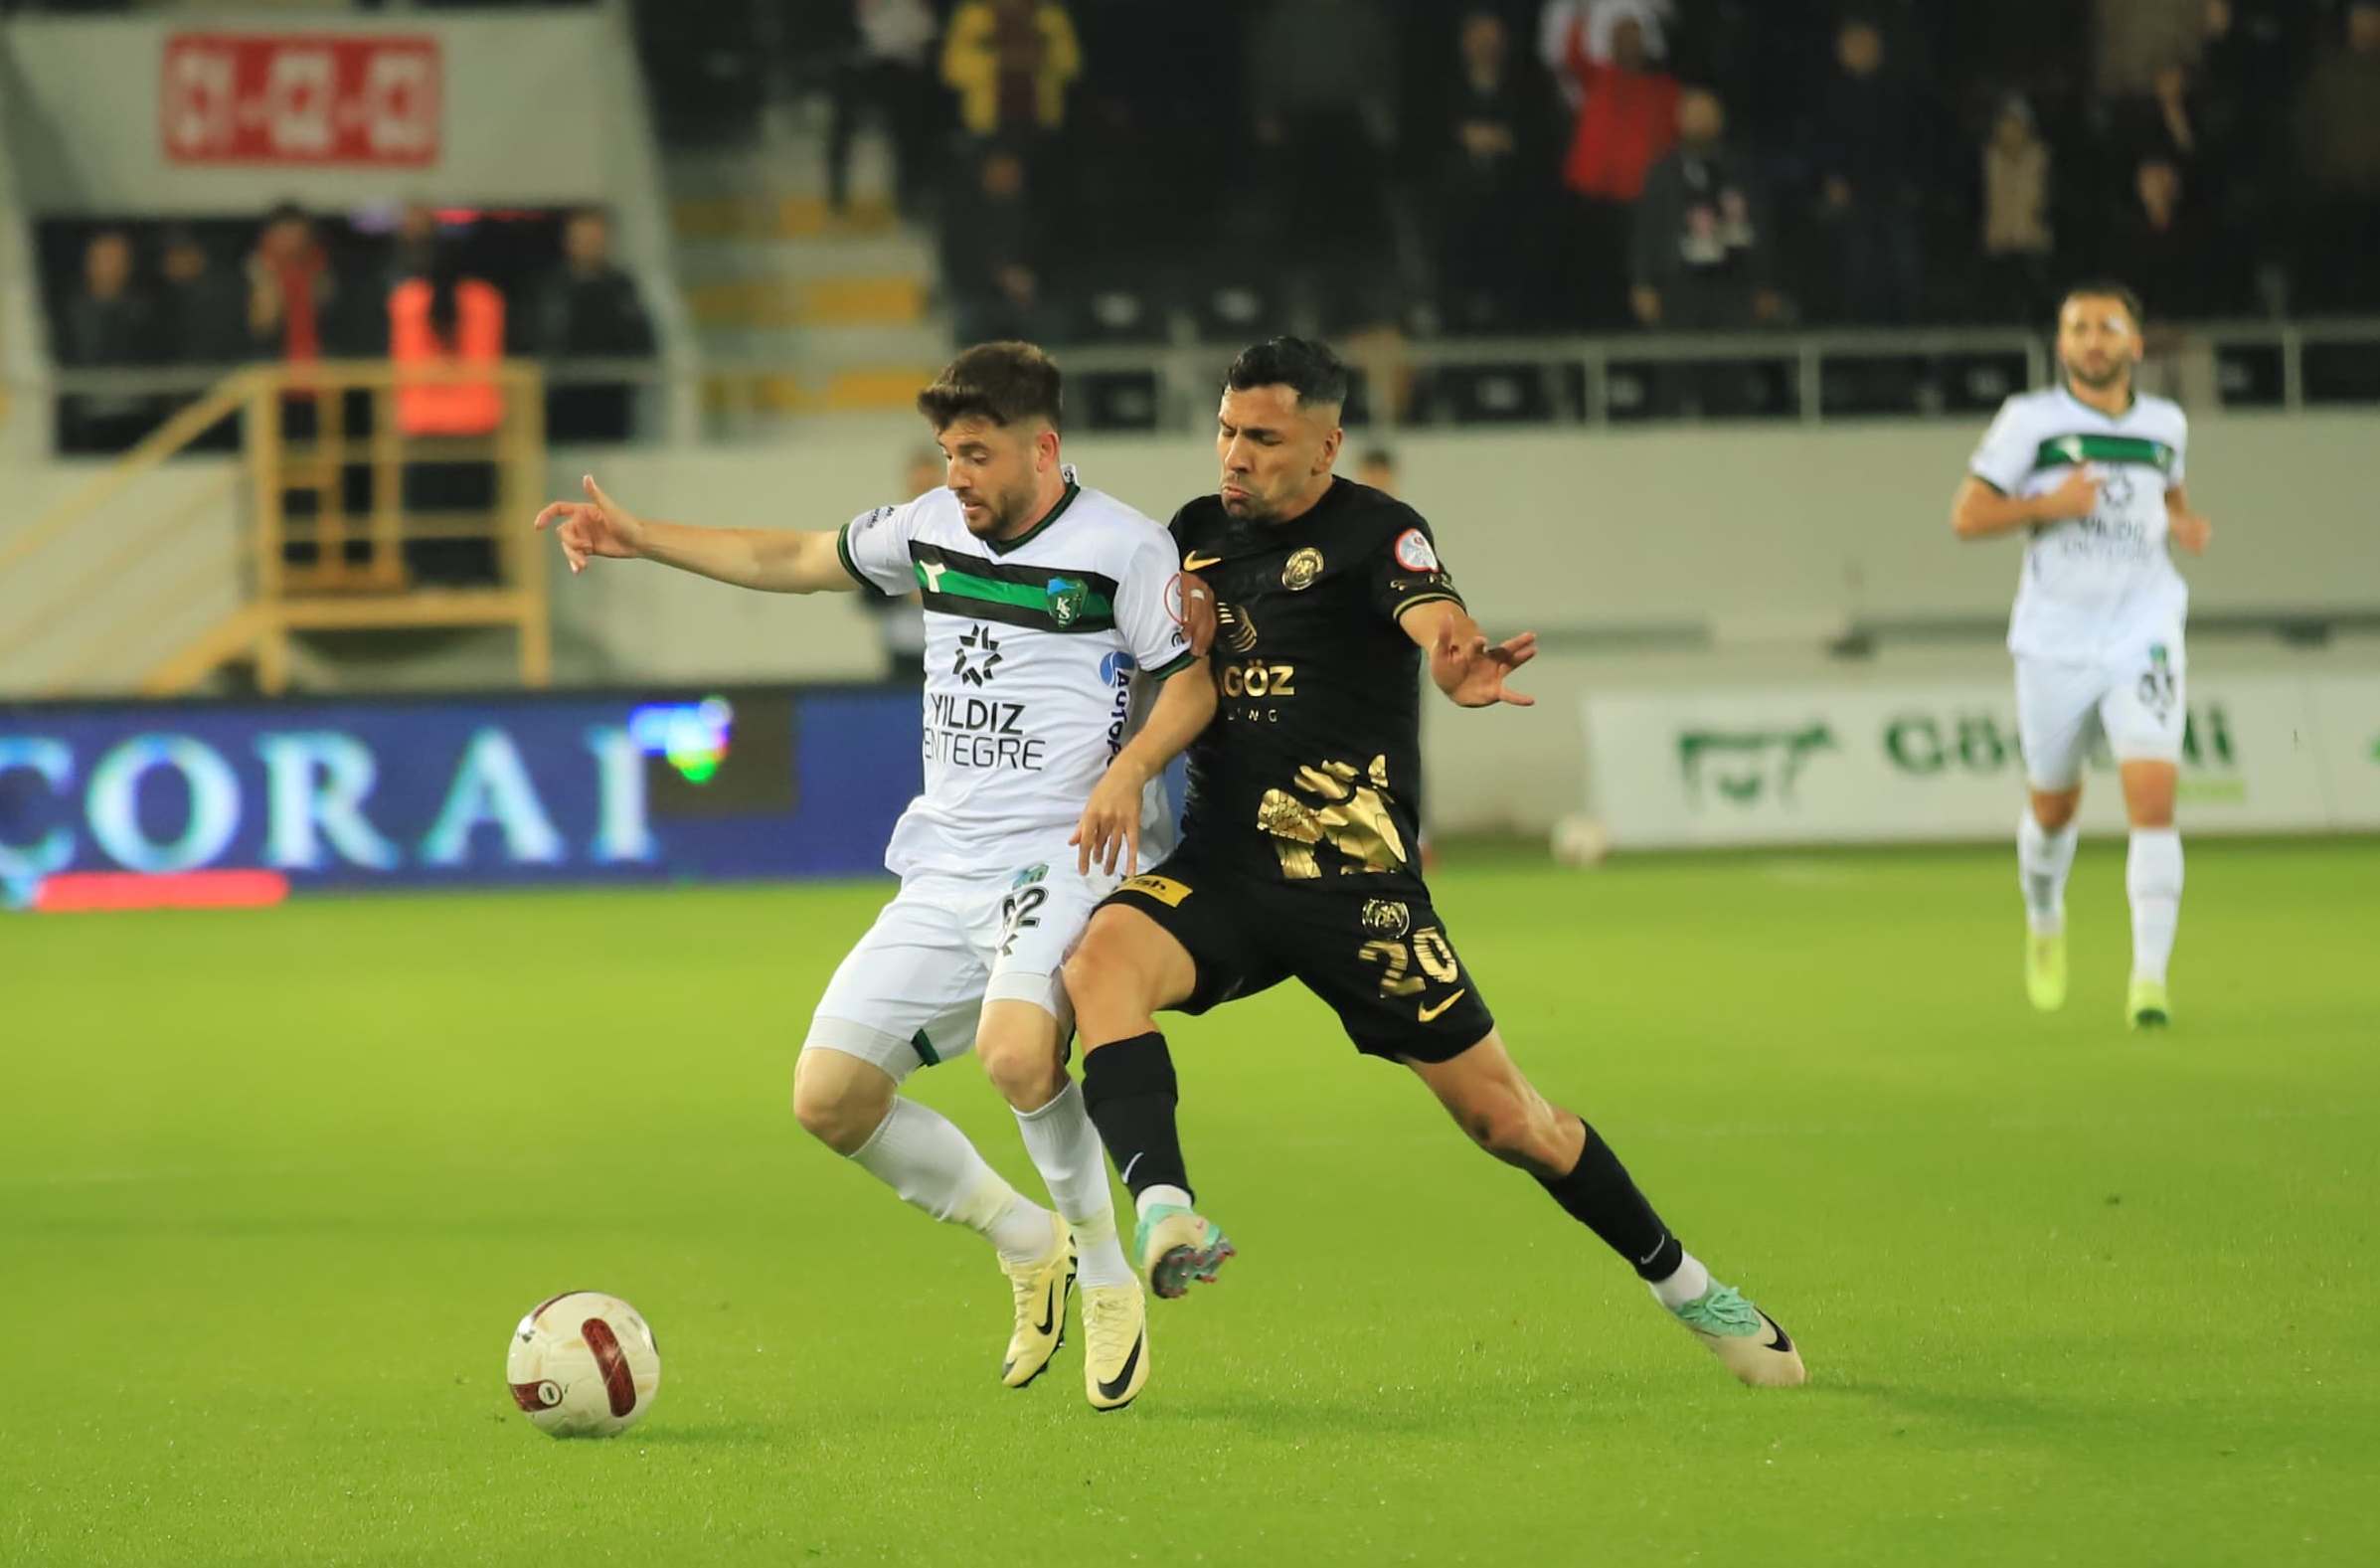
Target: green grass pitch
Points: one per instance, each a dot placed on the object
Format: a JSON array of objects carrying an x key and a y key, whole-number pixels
[{"x": 274, "y": 1186}]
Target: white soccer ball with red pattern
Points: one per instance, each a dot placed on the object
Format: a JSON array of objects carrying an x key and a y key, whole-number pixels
[{"x": 584, "y": 1365}]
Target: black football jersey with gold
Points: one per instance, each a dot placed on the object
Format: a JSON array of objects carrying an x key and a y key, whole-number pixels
[{"x": 1310, "y": 772}]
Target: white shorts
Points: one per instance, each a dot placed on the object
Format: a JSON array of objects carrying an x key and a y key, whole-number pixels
[
  {"x": 910, "y": 994},
  {"x": 2137, "y": 700}
]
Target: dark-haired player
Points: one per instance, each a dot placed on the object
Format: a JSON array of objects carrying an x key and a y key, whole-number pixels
[
  {"x": 1050, "y": 613},
  {"x": 2092, "y": 470},
  {"x": 1298, "y": 854}
]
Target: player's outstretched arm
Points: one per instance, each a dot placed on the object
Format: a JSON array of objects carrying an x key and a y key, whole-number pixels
[
  {"x": 1110, "y": 826},
  {"x": 1980, "y": 510},
  {"x": 1467, "y": 668},
  {"x": 2190, "y": 530},
  {"x": 774, "y": 561}
]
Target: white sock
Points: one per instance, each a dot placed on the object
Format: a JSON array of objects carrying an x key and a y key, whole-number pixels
[
  {"x": 919, "y": 1154},
  {"x": 2153, "y": 875},
  {"x": 1066, "y": 1150},
  {"x": 1691, "y": 1280},
  {"x": 1154, "y": 1195},
  {"x": 2043, "y": 859}
]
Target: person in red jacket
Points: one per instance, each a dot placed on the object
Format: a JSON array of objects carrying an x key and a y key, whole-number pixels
[
  {"x": 1627, "y": 122},
  {"x": 444, "y": 319}
]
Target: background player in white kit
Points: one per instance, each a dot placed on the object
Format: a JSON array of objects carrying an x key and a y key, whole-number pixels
[
  {"x": 1052, "y": 614},
  {"x": 2094, "y": 470}
]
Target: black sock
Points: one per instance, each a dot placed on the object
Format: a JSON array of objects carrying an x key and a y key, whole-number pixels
[
  {"x": 1128, "y": 1089},
  {"x": 1599, "y": 1194}
]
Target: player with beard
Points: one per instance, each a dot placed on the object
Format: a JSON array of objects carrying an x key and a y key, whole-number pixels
[
  {"x": 2092, "y": 471},
  {"x": 1059, "y": 682},
  {"x": 1297, "y": 857}
]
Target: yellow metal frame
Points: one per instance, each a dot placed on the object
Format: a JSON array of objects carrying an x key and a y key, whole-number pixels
[{"x": 332, "y": 593}]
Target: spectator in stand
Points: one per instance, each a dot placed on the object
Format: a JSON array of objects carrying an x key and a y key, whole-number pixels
[
  {"x": 417, "y": 242},
  {"x": 1867, "y": 148},
  {"x": 413, "y": 245},
  {"x": 1704, "y": 258},
  {"x": 590, "y": 310},
  {"x": 2163, "y": 124},
  {"x": 1321, "y": 77},
  {"x": 2018, "y": 241},
  {"x": 289, "y": 288},
  {"x": 1627, "y": 122},
  {"x": 1558, "y": 20},
  {"x": 1495, "y": 150},
  {"x": 2195, "y": 123},
  {"x": 2249, "y": 52},
  {"x": 201, "y": 321},
  {"x": 1010, "y": 61},
  {"x": 1379, "y": 470},
  {"x": 443, "y": 321},
  {"x": 109, "y": 325},
  {"x": 2161, "y": 242},
  {"x": 2338, "y": 137},
  {"x": 889, "y": 70},
  {"x": 202, "y": 306},
  {"x": 990, "y": 263},
  {"x": 2243, "y": 70}
]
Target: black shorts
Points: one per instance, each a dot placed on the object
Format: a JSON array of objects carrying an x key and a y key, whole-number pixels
[{"x": 1382, "y": 961}]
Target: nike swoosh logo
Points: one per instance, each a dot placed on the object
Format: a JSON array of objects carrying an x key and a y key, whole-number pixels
[
  {"x": 1784, "y": 1344},
  {"x": 1124, "y": 1379},
  {"x": 1125, "y": 1175},
  {"x": 1655, "y": 1253},
  {"x": 1049, "y": 1311},
  {"x": 1431, "y": 1015},
  {"x": 1194, "y": 562}
]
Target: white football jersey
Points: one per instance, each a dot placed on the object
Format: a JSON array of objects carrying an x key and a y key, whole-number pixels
[
  {"x": 2104, "y": 585},
  {"x": 1041, "y": 656}
]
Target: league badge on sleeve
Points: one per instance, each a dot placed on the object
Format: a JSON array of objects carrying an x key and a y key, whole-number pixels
[{"x": 1414, "y": 552}]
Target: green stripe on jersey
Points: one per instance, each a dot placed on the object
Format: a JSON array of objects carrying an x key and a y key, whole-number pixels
[
  {"x": 1062, "y": 603},
  {"x": 2068, "y": 451}
]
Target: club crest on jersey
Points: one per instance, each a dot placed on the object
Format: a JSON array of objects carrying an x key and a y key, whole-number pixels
[
  {"x": 1386, "y": 917},
  {"x": 1067, "y": 599},
  {"x": 1414, "y": 552},
  {"x": 1302, "y": 568}
]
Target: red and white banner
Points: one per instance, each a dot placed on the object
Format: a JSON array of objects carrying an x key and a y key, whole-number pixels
[{"x": 300, "y": 98}]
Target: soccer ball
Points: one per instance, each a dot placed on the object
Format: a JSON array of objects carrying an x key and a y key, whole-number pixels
[
  {"x": 1581, "y": 841},
  {"x": 583, "y": 1364}
]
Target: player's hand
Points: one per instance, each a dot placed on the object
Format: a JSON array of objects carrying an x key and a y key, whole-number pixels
[
  {"x": 2078, "y": 496},
  {"x": 1472, "y": 672},
  {"x": 596, "y": 526},
  {"x": 2190, "y": 531},
  {"x": 1110, "y": 826}
]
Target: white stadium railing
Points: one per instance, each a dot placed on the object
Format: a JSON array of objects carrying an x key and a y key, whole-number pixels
[{"x": 1550, "y": 381}]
